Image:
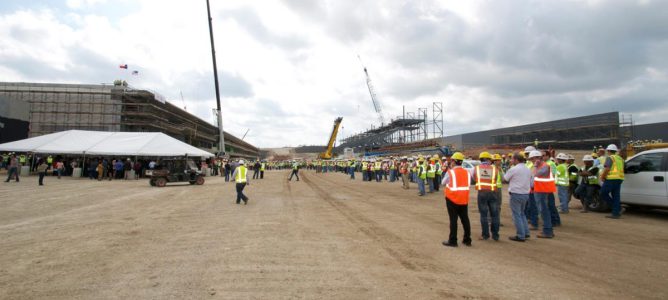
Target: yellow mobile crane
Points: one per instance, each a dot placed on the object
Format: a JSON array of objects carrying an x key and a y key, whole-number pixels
[{"x": 328, "y": 153}]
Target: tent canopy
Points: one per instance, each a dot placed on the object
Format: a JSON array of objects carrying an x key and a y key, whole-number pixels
[{"x": 105, "y": 143}]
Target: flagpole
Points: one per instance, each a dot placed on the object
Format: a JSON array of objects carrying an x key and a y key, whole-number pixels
[{"x": 221, "y": 139}]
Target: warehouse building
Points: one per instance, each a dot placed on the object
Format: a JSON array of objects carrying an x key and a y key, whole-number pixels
[{"x": 57, "y": 107}]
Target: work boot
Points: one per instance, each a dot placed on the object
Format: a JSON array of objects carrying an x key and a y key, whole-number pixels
[{"x": 449, "y": 244}]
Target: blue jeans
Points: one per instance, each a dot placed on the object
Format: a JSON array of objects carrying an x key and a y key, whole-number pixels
[
  {"x": 532, "y": 211},
  {"x": 420, "y": 183},
  {"x": 564, "y": 197},
  {"x": 489, "y": 205},
  {"x": 518, "y": 204},
  {"x": 12, "y": 171},
  {"x": 393, "y": 176},
  {"x": 430, "y": 181},
  {"x": 544, "y": 211},
  {"x": 610, "y": 194},
  {"x": 554, "y": 213},
  {"x": 352, "y": 173}
]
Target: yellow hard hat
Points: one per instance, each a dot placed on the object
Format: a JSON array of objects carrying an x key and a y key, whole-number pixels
[
  {"x": 485, "y": 154},
  {"x": 594, "y": 155},
  {"x": 458, "y": 156},
  {"x": 497, "y": 157}
]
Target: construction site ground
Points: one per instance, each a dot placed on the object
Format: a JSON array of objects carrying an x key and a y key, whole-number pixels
[{"x": 322, "y": 237}]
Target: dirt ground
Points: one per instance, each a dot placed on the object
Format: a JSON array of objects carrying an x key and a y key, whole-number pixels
[{"x": 322, "y": 237}]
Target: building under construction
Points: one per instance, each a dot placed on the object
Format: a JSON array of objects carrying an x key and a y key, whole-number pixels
[
  {"x": 573, "y": 133},
  {"x": 59, "y": 107}
]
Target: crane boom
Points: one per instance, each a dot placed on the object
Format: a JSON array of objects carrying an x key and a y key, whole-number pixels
[
  {"x": 372, "y": 92},
  {"x": 330, "y": 145}
]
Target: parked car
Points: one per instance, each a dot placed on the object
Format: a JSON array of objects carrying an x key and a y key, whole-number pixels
[
  {"x": 470, "y": 165},
  {"x": 645, "y": 179}
]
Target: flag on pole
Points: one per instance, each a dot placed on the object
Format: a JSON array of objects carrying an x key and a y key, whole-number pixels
[
  {"x": 135, "y": 72},
  {"x": 125, "y": 66}
]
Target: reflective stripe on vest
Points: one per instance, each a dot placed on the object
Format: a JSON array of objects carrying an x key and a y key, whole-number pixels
[
  {"x": 499, "y": 182},
  {"x": 485, "y": 177},
  {"x": 457, "y": 189},
  {"x": 241, "y": 174},
  {"x": 617, "y": 168},
  {"x": 432, "y": 171},
  {"x": 573, "y": 176},
  {"x": 593, "y": 178},
  {"x": 421, "y": 171},
  {"x": 262, "y": 166},
  {"x": 545, "y": 184}
]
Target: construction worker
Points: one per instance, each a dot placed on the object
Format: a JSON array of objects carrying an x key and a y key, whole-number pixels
[
  {"x": 12, "y": 168},
  {"x": 439, "y": 172},
  {"x": 544, "y": 184},
  {"x": 393, "y": 169},
  {"x": 351, "y": 168},
  {"x": 611, "y": 179},
  {"x": 421, "y": 176},
  {"x": 457, "y": 182},
  {"x": 364, "y": 174},
  {"x": 563, "y": 182},
  {"x": 256, "y": 169},
  {"x": 589, "y": 186},
  {"x": 519, "y": 187},
  {"x": 600, "y": 157},
  {"x": 573, "y": 172},
  {"x": 551, "y": 200},
  {"x": 431, "y": 174},
  {"x": 263, "y": 166},
  {"x": 241, "y": 179},
  {"x": 532, "y": 207},
  {"x": 49, "y": 161},
  {"x": 403, "y": 170},
  {"x": 377, "y": 169},
  {"x": 485, "y": 176},
  {"x": 295, "y": 170},
  {"x": 498, "y": 162}
]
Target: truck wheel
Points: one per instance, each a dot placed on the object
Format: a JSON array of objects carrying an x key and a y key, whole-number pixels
[
  {"x": 151, "y": 182},
  {"x": 200, "y": 180},
  {"x": 160, "y": 182}
]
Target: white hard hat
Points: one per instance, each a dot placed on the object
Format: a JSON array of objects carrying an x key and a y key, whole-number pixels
[
  {"x": 529, "y": 149},
  {"x": 562, "y": 156},
  {"x": 241, "y": 162},
  {"x": 612, "y": 147},
  {"x": 570, "y": 156},
  {"x": 587, "y": 158},
  {"x": 535, "y": 153}
]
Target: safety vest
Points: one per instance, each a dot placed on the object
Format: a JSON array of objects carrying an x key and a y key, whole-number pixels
[
  {"x": 485, "y": 177},
  {"x": 49, "y": 160},
  {"x": 376, "y": 166},
  {"x": 601, "y": 160},
  {"x": 592, "y": 178},
  {"x": 439, "y": 171},
  {"x": 241, "y": 175},
  {"x": 423, "y": 174},
  {"x": 573, "y": 176},
  {"x": 432, "y": 171},
  {"x": 545, "y": 184},
  {"x": 364, "y": 164},
  {"x": 529, "y": 164},
  {"x": 262, "y": 166},
  {"x": 22, "y": 159},
  {"x": 457, "y": 189},
  {"x": 562, "y": 175},
  {"x": 617, "y": 168},
  {"x": 499, "y": 181},
  {"x": 393, "y": 166},
  {"x": 295, "y": 166},
  {"x": 553, "y": 167}
]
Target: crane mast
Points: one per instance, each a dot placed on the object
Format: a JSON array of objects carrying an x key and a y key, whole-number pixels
[{"x": 372, "y": 92}]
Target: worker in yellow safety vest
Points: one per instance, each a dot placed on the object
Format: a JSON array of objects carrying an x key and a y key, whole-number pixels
[
  {"x": 485, "y": 176},
  {"x": 563, "y": 182},
  {"x": 421, "y": 176},
  {"x": 497, "y": 160},
  {"x": 612, "y": 178},
  {"x": 241, "y": 179},
  {"x": 377, "y": 169},
  {"x": 431, "y": 174}
]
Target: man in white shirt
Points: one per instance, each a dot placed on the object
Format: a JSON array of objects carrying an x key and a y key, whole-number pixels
[{"x": 519, "y": 178}]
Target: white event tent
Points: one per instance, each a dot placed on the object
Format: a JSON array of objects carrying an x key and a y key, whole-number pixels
[{"x": 105, "y": 143}]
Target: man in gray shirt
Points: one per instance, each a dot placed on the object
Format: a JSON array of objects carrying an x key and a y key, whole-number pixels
[{"x": 519, "y": 177}]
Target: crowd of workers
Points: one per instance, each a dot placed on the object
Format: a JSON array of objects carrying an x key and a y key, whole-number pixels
[{"x": 533, "y": 177}]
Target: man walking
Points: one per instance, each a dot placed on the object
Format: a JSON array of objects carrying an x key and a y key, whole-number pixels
[
  {"x": 41, "y": 171},
  {"x": 519, "y": 186},
  {"x": 457, "y": 182},
  {"x": 13, "y": 168},
  {"x": 295, "y": 170},
  {"x": 612, "y": 178},
  {"x": 544, "y": 184},
  {"x": 240, "y": 176},
  {"x": 485, "y": 176}
]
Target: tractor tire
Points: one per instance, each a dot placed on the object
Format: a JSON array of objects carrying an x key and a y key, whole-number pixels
[
  {"x": 160, "y": 182},
  {"x": 200, "y": 180},
  {"x": 151, "y": 182}
]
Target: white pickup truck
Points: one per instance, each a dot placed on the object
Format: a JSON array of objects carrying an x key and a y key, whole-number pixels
[{"x": 645, "y": 177}]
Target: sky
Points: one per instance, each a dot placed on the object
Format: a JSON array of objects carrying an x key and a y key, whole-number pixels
[{"x": 288, "y": 68}]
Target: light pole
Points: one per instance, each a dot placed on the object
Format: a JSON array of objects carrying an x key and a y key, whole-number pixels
[{"x": 221, "y": 139}]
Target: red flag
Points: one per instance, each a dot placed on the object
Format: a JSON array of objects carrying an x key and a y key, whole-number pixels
[{"x": 125, "y": 66}]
